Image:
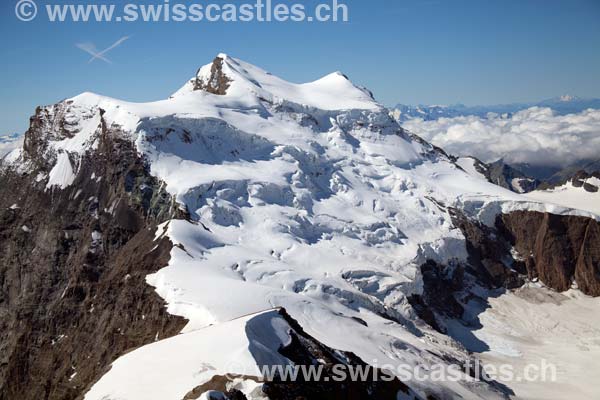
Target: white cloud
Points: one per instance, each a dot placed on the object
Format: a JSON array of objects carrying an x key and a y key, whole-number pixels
[
  {"x": 534, "y": 136},
  {"x": 8, "y": 144}
]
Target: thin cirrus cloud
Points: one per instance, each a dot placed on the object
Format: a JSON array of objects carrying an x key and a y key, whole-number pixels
[
  {"x": 536, "y": 136},
  {"x": 96, "y": 54}
]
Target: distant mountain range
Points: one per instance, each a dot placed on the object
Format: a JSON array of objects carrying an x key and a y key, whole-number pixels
[
  {"x": 525, "y": 178},
  {"x": 561, "y": 105}
]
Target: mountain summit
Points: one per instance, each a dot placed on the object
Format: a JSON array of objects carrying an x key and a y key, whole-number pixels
[
  {"x": 247, "y": 222},
  {"x": 237, "y": 79}
]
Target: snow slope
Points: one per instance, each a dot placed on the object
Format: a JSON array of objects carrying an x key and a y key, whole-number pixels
[
  {"x": 469, "y": 165},
  {"x": 332, "y": 92},
  {"x": 308, "y": 197},
  {"x": 536, "y": 326},
  {"x": 568, "y": 195},
  {"x": 161, "y": 376}
]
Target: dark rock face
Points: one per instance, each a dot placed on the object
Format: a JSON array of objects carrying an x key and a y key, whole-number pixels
[
  {"x": 489, "y": 259},
  {"x": 557, "y": 249},
  {"x": 73, "y": 263},
  {"x": 446, "y": 288},
  {"x": 511, "y": 178},
  {"x": 305, "y": 351},
  {"x": 560, "y": 176},
  {"x": 579, "y": 178},
  {"x": 504, "y": 175},
  {"x": 218, "y": 83},
  {"x": 440, "y": 284},
  {"x": 216, "y": 389}
]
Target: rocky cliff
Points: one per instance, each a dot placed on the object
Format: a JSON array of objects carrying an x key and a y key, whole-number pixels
[
  {"x": 562, "y": 251},
  {"x": 73, "y": 263}
]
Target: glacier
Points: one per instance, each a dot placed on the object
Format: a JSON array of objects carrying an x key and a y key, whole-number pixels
[{"x": 308, "y": 197}]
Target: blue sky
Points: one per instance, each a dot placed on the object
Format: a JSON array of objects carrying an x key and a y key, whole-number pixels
[{"x": 409, "y": 51}]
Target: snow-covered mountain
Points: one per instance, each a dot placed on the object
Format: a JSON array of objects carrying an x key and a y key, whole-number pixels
[
  {"x": 561, "y": 105},
  {"x": 279, "y": 224}
]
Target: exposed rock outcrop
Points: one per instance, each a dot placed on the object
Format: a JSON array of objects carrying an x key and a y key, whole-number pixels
[
  {"x": 584, "y": 179},
  {"x": 502, "y": 174},
  {"x": 73, "y": 263},
  {"x": 557, "y": 249},
  {"x": 306, "y": 350},
  {"x": 440, "y": 285},
  {"x": 490, "y": 258},
  {"x": 328, "y": 379},
  {"x": 216, "y": 83}
]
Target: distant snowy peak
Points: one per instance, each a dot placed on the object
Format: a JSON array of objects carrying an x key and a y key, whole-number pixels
[
  {"x": 403, "y": 112},
  {"x": 568, "y": 97},
  {"x": 228, "y": 76},
  {"x": 562, "y": 105}
]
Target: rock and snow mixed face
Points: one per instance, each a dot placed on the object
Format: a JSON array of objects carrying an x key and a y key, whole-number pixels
[
  {"x": 303, "y": 196},
  {"x": 581, "y": 192}
]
